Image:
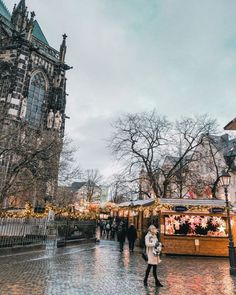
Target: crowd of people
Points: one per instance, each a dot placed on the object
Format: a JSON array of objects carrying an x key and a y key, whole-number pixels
[{"x": 118, "y": 230}]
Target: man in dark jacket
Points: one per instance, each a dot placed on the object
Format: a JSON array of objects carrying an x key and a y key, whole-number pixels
[
  {"x": 132, "y": 236},
  {"x": 121, "y": 234}
]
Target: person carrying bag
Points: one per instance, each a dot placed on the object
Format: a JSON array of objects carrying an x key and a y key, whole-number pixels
[{"x": 153, "y": 249}]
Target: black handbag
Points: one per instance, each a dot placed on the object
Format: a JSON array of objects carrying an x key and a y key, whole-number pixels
[{"x": 144, "y": 255}]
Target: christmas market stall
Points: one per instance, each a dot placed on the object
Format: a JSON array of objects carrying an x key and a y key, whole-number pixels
[
  {"x": 138, "y": 213},
  {"x": 195, "y": 227},
  {"x": 186, "y": 226},
  {"x": 107, "y": 210}
]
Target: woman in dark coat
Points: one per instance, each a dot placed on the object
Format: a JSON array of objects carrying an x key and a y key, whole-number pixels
[
  {"x": 121, "y": 234},
  {"x": 132, "y": 236}
]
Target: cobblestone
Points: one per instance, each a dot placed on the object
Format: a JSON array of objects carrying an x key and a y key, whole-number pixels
[{"x": 101, "y": 269}]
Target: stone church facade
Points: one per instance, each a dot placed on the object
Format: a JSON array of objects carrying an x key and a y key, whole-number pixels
[{"x": 32, "y": 81}]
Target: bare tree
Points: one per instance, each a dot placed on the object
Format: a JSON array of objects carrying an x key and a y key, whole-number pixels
[
  {"x": 187, "y": 138},
  {"x": 139, "y": 140},
  {"x": 124, "y": 187},
  {"x": 146, "y": 139},
  {"x": 92, "y": 179},
  {"x": 69, "y": 169},
  {"x": 29, "y": 159},
  {"x": 220, "y": 154},
  {"x": 65, "y": 196}
]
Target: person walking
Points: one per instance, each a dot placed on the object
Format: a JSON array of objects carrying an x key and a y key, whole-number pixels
[
  {"x": 101, "y": 228},
  {"x": 132, "y": 236},
  {"x": 108, "y": 228},
  {"x": 121, "y": 234},
  {"x": 151, "y": 243},
  {"x": 104, "y": 228},
  {"x": 113, "y": 229}
]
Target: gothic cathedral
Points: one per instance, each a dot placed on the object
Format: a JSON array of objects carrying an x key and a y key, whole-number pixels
[{"x": 32, "y": 101}]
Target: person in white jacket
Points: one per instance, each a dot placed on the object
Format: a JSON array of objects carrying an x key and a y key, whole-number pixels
[{"x": 150, "y": 242}]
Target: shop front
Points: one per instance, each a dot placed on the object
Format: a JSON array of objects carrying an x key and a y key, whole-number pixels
[
  {"x": 195, "y": 227},
  {"x": 186, "y": 227}
]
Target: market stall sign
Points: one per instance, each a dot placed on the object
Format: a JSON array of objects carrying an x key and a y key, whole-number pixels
[
  {"x": 180, "y": 208},
  {"x": 217, "y": 210}
]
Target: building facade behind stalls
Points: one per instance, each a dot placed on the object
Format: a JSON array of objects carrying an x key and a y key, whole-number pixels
[
  {"x": 32, "y": 101},
  {"x": 216, "y": 154}
]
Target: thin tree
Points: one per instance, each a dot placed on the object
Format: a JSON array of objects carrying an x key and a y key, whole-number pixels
[
  {"x": 185, "y": 144},
  {"x": 139, "y": 140},
  {"x": 146, "y": 139},
  {"x": 92, "y": 179}
]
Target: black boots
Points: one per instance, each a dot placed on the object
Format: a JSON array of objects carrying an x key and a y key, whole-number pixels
[
  {"x": 158, "y": 283},
  {"x": 147, "y": 274}
]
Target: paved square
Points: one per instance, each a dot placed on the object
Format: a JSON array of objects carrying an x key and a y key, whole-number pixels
[{"x": 101, "y": 269}]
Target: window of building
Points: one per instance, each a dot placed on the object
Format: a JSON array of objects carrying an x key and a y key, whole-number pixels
[
  {"x": 4, "y": 88},
  {"x": 36, "y": 96}
]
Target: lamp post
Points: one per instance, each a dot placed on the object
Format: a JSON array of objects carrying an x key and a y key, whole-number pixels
[{"x": 225, "y": 182}]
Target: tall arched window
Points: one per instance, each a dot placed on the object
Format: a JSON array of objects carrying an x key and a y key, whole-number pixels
[{"x": 37, "y": 90}]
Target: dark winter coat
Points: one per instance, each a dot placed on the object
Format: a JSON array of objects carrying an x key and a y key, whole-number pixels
[
  {"x": 132, "y": 233},
  {"x": 121, "y": 233}
]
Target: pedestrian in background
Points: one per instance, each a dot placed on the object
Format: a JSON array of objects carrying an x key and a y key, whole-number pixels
[
  {"x": 132, "y": 236},
  {"x": 151, "y": 242},
  {"x": 104, "y": 228},
  {"x": 113, "y": 229},
  {"x": 101, "y": 228},
  {"x": 121, "y": 235},
  {"x": 108, "y": 228}
]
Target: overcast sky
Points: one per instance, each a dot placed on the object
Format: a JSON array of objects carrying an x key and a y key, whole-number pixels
[{"x": 178, "y": 56}]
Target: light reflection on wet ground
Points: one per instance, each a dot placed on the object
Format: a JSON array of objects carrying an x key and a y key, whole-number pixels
[{"x": 101, "y": 269}]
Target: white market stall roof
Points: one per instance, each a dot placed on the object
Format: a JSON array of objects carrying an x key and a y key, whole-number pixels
[
  {"x": 138, "y": 203},
  {"x": 176, "y": 202},
  {"x": 193, "y": 202}
]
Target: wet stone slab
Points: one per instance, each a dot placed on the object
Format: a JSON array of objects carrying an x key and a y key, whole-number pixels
[{"x": 101, "y": 269}]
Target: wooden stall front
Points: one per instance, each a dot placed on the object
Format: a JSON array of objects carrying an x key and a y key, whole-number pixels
[
  {"x": 196, "y": 227},
  {"x": 186, "y": 227}
]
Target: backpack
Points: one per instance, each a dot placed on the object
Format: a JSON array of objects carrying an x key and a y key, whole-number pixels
[{"x": 108, "y": 226}]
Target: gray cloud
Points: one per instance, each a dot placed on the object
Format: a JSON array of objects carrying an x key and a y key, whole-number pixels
[{"x": 131, "y": 55}]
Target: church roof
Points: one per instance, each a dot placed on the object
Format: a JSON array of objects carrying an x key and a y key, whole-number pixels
[
  {"x": 4, "y": 11},
  {"x": 77, "y": 185},
  {"x": 38, "y": 33}
]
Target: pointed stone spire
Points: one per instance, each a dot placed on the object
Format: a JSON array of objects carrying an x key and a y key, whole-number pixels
[
  {"x": 63, "y": 49},
  {"x": 21, "y": 6},
  {"x": 30, "y": 26},
  {"x": 19, "y": 16}
]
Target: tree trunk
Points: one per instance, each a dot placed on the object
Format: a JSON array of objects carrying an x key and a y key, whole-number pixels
[{"x": 214, "y": 188}]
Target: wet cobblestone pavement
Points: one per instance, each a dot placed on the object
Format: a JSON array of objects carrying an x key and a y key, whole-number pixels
[{"x": 102, "y": 270}]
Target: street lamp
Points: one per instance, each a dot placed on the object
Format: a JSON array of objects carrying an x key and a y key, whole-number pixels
[{"x": 225, "y": 182}]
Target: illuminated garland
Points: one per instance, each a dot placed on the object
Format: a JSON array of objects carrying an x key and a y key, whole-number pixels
[
  {"x": 92, "y": 212},
  {"x": 157, "y": 206},
  {"x": 28, "y": 212}
]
